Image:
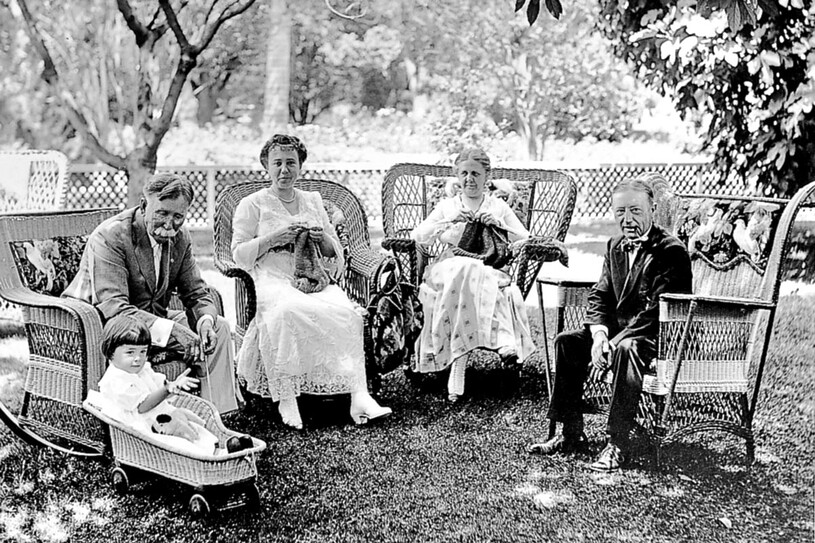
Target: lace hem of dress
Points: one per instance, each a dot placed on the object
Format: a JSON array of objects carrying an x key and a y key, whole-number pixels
[{"x": 293, "y": 386}]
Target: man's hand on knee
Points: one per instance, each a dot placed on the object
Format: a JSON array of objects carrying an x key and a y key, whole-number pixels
[{"x": 600, "y": 353}]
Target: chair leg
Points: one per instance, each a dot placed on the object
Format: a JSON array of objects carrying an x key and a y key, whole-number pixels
[
  {"x": 751, "y": 449},
  {"x": 658, "y": 452},
  {"x": 375, "y": 384}
]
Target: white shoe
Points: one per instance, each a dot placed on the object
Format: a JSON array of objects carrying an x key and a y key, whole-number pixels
[
  {"x": 365, "y": 409},
  {"x": 290, "y": 413}
]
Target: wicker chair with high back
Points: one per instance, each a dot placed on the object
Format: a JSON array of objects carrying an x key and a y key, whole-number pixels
[
  {"x": 543, "y": 200},
  {"x": 712, "y": 344},
  {"x": 40, "y": 254},
  {"x": 34, "y": 180},
  {"x": 364, "y": 266}
]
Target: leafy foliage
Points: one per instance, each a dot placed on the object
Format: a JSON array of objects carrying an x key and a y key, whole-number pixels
[
  {"x": 739, "y": 12},
  {"x": 117, "y": 75},
  {"x": 336, "y": 60},
  {"x": 550, "y": 80},
  {"x": 752, "y": 91}
]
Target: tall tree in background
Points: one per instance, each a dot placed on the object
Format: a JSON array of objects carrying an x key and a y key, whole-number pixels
[
  {"x": 743, "y": 69},
  {"x": 336, "y": 60},
  {"x": 549, "y": 80},
  {"x": 116, "y": 75},
  {"x": 748, "y": 80},
  {"x": 278, "y": 69}
]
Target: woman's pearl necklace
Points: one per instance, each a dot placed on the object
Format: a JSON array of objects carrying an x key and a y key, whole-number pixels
[{"x": 279, "y": 197}]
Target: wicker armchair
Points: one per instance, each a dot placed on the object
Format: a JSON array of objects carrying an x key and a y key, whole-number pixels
[
  {"x": 543, "y": 200},
  {"x": 363, "y": 265},
  {"x": 39, "y": 255},
  {"x": 35, "y": 180},
  {"x": 712, "y": 344}
]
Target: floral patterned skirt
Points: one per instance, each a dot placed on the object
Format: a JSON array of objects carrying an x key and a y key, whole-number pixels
[{"x": 468, "y": 306}]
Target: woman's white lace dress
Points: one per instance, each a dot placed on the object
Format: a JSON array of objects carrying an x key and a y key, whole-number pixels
[
  {"x": 466, "y": 304},
  {"x": 297, "y": 343}
]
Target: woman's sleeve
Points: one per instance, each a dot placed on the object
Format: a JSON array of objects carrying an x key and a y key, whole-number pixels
[
  {"x": 515, "y": 229},
  {"x": 429, "y": 230},
  {"x": 245, "y": 244}
]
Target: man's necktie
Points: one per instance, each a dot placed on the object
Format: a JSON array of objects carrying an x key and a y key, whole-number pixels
[
  {"x": 631, "y": 245},
  {"x": 163, "y": 266}
]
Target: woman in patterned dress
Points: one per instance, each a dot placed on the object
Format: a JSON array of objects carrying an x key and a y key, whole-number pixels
[{"x": 467, "y": 304}]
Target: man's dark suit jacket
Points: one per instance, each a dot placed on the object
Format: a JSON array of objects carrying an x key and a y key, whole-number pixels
[
  {"x": 628, "y": 302},
  {"x": 117, "y": 274}
]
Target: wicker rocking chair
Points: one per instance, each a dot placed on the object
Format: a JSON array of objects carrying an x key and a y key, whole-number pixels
[
  {"x": 363, "y": 265},
  {"x": 712, "y": 344},
  {"x": 40, "y": 253},
  {"x": 543, "y": 200}
]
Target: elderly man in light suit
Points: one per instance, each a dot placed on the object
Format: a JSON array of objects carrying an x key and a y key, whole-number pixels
[
  {"x": 621, "y": 326},
  {"x": 131, "y": 265}
]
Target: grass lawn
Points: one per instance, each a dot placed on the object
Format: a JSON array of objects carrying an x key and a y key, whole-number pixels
[{"x": 435, "y": 472}]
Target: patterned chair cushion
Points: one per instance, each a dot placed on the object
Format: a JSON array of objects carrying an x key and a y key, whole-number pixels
[
  {"x": 338, "y": 221},
  {"x": 725, "y": 233},
  {"x": 47, "y": 266}
]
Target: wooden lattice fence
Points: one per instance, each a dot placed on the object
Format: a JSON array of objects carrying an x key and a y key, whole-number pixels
[{"x": 98, "y": 186}]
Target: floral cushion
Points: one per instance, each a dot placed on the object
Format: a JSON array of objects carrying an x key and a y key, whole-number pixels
[
  {"x": 514, "y": 193},
  {"x": 47, "y": 266},
  {"x": 726, "y": 232},
  {"x": 338, "y": 221}
]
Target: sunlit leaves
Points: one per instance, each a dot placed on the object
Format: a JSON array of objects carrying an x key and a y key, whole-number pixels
[
  {"x": 748, "y": 89},
  {"x": 550, "y": 80}
]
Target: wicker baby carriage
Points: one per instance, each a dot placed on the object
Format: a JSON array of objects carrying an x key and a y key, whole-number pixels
[{"x": 219, "y": 481}]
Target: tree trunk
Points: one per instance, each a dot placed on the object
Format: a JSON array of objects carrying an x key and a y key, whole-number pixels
[
  {"x": 529, "y": 132},
  {"x": 207, "y": 102},
  {"x": 278, "y": 70},
  {"x": 140, "y": 165}
]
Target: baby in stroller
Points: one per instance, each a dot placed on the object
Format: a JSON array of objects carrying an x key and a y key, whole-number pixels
[{"x": 140, "y": 392}]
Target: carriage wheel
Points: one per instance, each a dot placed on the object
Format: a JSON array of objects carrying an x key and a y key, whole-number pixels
[
  {"x": 199, "y": 507},
  {"x": 120, "y": 481}
]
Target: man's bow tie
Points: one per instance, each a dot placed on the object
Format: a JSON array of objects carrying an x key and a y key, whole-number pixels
[{"x": 631, "y": 245}]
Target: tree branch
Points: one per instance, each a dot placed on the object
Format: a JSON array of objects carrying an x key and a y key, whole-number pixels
[
  {"x": 227, "y": 13},
  {"x": 209, "y": 11},
  {"x": 80, "y": 123},
  {"x": 361, "y": 6},
  {"x": 49, "y": 71},
  {"x": 51, "y": 76},
  {"x": 162, "y": 125},
  {"x": 172, "y": 20},
  {"x": 133, "y": 23}
]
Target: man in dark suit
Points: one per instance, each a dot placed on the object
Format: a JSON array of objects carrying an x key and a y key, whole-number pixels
[
  {"x": 621, "y": 325},
  {"x": 131, "y": 265}
]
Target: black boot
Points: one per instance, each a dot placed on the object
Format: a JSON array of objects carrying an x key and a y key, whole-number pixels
[{"x": 570, "y": 439}]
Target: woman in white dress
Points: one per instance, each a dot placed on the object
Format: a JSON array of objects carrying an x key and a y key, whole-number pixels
[
  {"x": 467, "y": 304},
  {"x": 297, "y": 343}
]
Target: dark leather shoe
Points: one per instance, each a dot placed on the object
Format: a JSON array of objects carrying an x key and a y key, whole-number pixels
[
  {"x": 558, "y": 444},
  {"x": 239, "y": 443},
  {"x": 610, "y": 459},
  {"x": 509, "y": 358}
]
